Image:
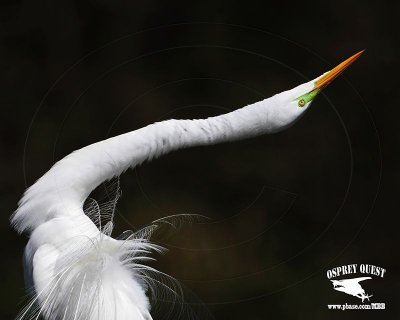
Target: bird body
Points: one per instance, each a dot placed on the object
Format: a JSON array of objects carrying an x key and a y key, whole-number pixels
[
  {"x": 74, "y": 267},
  {"x": 352, "y": 287}
]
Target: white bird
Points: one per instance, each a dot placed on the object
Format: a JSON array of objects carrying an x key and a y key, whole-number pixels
[
  {"x": 74, "y": 268},
  {"x": 352, "y": 287}
]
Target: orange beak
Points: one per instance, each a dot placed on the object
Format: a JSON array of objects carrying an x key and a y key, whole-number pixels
[{"x": 331, "y": 75}]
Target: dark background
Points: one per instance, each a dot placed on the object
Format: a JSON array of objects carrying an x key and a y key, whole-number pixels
[{"x": 285, "y": 208}]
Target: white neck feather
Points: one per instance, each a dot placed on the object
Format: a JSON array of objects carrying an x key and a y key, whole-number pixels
[{"x": 64, "y": 188}]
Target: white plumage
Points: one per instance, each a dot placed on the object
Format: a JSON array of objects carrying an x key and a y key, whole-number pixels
[{"x": 74, "y": 267}]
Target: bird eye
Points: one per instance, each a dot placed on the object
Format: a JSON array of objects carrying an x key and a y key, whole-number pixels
[{"x": 302, "y": 103}]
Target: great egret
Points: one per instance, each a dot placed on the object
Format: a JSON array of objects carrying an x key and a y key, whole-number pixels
[{"x": 75, "y": 269}]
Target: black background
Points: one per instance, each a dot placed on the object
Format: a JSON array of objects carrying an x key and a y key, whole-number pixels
[{"x": 285, "y": 208}]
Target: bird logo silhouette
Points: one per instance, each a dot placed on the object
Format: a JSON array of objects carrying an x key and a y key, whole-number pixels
[{"x": 352, "y": 287}]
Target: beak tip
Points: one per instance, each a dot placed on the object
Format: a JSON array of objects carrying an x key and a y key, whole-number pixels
[
  {"x": 359, "y": 53},
  {"x": 332, "y": 74}
]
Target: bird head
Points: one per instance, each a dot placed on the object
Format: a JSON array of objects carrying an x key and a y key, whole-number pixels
[
  {"x": 303, "y": 95},
  {"x": 287, "y": 107},
  {"x": 336, "y": 283}
]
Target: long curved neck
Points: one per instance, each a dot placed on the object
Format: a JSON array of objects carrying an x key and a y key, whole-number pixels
[
  {"x": 243, "y": 123},
  {"x": 64, "y": 188},
  {"x": 117, "y": 154}
]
